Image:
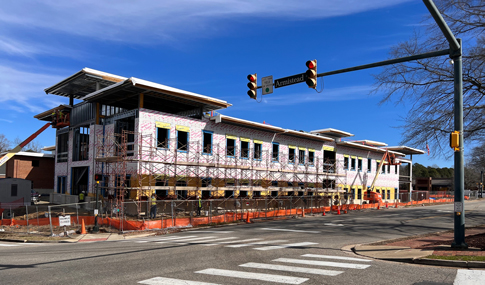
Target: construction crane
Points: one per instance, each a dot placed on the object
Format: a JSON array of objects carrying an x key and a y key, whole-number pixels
[
  {"x": 18, "y": 148},
  {"x": 371, "y": 195}
]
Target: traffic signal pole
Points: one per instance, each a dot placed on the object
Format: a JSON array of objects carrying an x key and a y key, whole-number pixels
[{"x": 455, "y": 53}]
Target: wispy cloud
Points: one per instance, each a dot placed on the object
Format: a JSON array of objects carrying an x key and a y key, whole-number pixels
[
  {"x": 5, "y": 120},
  {"x": 20, "y": 90},
  {"x": 159, "y": 21}
]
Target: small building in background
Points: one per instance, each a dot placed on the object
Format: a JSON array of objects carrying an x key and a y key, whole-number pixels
[
  {"x": 33, "y": 166},
  {"x": 15, "y": 192}
]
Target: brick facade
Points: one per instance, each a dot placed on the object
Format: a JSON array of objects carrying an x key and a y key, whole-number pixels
[{"x": 39, "y": 170}]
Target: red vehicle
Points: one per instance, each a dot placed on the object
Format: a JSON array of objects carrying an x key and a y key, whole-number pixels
[{"x": 372, "y": 197}]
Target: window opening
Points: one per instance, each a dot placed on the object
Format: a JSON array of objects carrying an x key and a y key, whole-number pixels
[
  {"x": 359, "y": 164},
  {"x": 311, "y": 157},
  {"x": 230, "y": 147},
  {"x": 291, "y": 155},
  {"x": 369, "y": 164},
  {"x": 258, "y": 148},
  {"x": 182, "y": 141},
  {"x": 352, "y": 164},
  {"x": 62, "y": 147},
  {"x": 81, "y": 144},
  {"x": 14, "y": 190},
  {"x": 207, "y": 143},
  {"x": 244, "y": 149},
  {"x": 163, "y": 138},
  {"x": 276, "y": 150},
  {"x": 301, "y": 156}
]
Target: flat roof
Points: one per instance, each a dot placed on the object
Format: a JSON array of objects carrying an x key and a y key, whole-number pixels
[
  {"x": 268, "y": 128},
  {"x": 33, "y": 154},
  {"x": 367, "y": 147},
  {"x": 372, "y": 143},
  {"x": 124, "y": 93},
  {"x": 406, "y": 149},
  {"x": 83, "y": 82},
  {"x": 47, "y": 115},
  {"x": 332, "y": 132}
]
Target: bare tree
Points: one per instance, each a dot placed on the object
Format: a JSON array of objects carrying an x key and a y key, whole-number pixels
[
  {"x": 4, "y": 143},
  {"x": 427, "y": 84},
  {"x": 33, "y": 146}
]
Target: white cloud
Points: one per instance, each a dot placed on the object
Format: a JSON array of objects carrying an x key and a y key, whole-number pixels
[
  {"x": 20, "y": 90},
  {"x": 5, "y": 120},
  {"x": 159, "y": 21}
]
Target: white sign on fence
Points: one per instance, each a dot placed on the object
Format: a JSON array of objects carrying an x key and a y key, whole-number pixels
[{"x": 65, "y": 221}]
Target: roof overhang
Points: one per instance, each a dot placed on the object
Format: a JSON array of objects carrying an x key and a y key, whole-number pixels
[
  {"x": 267, "y": 128},
  {"x": 47, "y": 115},
  {"x": 333, "y": 133},
  {"x": 367, "y": 147},
  {"x": 32, "y": 154},
  {"x": 159, "y": 97},
  {"x": 83, "y": 82},
  {"x": 371, "y": 143},
  {"x": 406, "y": 150},
  {"x": 49, "y": 148}
]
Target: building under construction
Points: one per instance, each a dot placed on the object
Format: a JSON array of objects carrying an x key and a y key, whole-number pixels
[{"x": 138, "y": 137}]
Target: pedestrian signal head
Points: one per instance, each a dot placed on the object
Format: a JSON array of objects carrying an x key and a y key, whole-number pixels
[
  {"x": 253, "y": 86},
  {"x": 311, "y": 73}
]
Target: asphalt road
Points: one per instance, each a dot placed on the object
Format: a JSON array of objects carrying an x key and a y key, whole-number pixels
[{"x": 296, "y": 251}]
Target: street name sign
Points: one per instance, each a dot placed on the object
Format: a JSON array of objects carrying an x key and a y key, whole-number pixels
[
  {"x": 290, "y": 80},
  {"x": 267, "y": 84},
  {"x": 65, "y": 220}
]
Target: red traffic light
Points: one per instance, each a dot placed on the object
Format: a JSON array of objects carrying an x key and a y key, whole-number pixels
[
  {"x": 311, "y": 64},
  {"x": 98, "y": 177},
  {"x": 252, "y": 77},
  {"x": 253, "y": 86}
]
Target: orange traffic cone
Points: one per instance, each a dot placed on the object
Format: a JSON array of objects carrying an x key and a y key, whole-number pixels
[
  {"x": 83, "y": 228},
  {"x": 345, "y": 211},
  {"x": 338, "y": 210},
  {"x": 323, "y": 211},
  {"x": 387, "y": 206},
  {"x": 396, "y": 205},
  {"x": 247, "y": 219}
]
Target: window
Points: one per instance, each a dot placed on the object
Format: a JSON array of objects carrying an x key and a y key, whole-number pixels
[
  {"x": 301, "y": 156},
  {"x": 207, "y": 142},
  {"x": 388, "y": 168},
  {"x": 258, "y": 149},
  {"x": 383, "y": 170},
  {"x": 163, "y": 138},
  {"x": 81, "y": 144},
  {"x": 369, "y": 164},
  {"x": 245, "y": 149},
  {"x": 230, "y": 146},
  {"x": 359, "y": 193},
  {"x": 182, "y": 141},
  {"x": 62, "y": 147},
  {"x": 346, "y": 162},
  {"x": 276, "y": 152},
  {"x": 311, "y": 157},
  {"x": 61, "y": 184},
  {"x": 13, "y": 190},
  {"x": 388, "y": 194},
  {"x": 352, "y": 194},
  {"x": 352, "y": 163},
  {"x": 291, "y": 155},
  {"x": 35, "y": 163},
  {"x": 395, "y": 169},
  {"x": 359, "y": 164},
  {"x": 377, "y": 166}
]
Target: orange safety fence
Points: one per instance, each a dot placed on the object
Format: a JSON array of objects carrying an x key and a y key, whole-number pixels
[{"x": 198, "y": 221}]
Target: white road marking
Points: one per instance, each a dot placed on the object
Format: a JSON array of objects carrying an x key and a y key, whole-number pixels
[
  {"x": 185, "y": 240},
  {"x": 171, "y": 238},
  {"x": 469, "y": 277},
  {"x": 171, "y": 281},
  {"x": 217, "y": 239},
  {"x": 322, "y": 263},
  {"x": 4, "y": 244},
  {"x": 285, "y": 245},
  {"x": 257, "y": 243},
  {"x": 291, "y": 269},
  {"x": 256, "y": 276},
  {"x": 288, "y": 230},
  {"x": 232, "y": 241},
  {"x": 217, "y": 232},
  {"x": 336, "y": 257},
  {"x": 335, "y": 225}
]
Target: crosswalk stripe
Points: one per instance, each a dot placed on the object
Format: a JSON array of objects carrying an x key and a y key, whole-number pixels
[
  {"x": 291, "y": 268},
  {"x": 185, "y": 240},
  {"x": 217, "y": 239},
  {"x": 336, "y": 257},
  {"x": 171, "y": 281},
  {"x": 256, "y": 243},
  {"x": 285, "y": 245},
  {"x": 256, "y": 276},
  {"x": 3, "y": 244},
  {"x": 232, "y": 241},
  {"x": 469, "y": 277},
  {"x": 141, "y": 241},
  {"x": 217, "y": 232},
  {"x": 288, "y": 230},
  {"x": 172, "y": 238},
  {"x": 322, "y": 263}
]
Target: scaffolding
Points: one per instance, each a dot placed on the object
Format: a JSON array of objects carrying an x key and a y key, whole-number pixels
[{"x": 185, "y": 171}]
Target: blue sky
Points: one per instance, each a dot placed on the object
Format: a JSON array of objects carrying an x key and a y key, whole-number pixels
[{"x": 209, "y": 47}]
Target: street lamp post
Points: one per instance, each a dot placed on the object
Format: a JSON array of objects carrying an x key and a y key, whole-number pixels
[{"x": 96, "y": 226}]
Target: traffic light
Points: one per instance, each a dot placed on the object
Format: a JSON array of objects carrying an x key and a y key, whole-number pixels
[
  {"x": 253, "y": 86},
  {"x": 311, "y": 73},
  {"x": 98, "y": 177}
]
